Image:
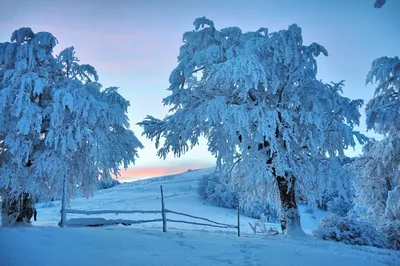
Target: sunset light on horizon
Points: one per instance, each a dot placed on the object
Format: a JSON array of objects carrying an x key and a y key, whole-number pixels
[{"x": 137, "y": 173}]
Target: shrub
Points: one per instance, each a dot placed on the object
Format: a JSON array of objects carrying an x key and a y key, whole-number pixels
[
  {"x": 339, "y": 206},
  {"x": 218, "y": 193},
  {"x": 258, "y": 210},
  {"x": 350, "y": 231},
  {"x": 107, "y": 183},
  {"x": 214, "y": 191},
  {"x": 391, "y": 230},
  {"x": 326, "y": 197}
]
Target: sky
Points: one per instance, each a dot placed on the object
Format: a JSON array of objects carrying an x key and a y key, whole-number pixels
[{"x": 134, "y": 45}]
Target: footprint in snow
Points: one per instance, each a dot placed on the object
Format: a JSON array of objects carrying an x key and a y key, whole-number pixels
[{"x": 183, "y": 244}]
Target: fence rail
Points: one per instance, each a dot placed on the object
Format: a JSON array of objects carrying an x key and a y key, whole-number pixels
[
  {"x": 200, "y": 218},
  {"x": 101, "y": 221},
  {"x": 109, "y": 211},
  {"x": 195, "y": 223},
  {"x": 163, "y": 212}
]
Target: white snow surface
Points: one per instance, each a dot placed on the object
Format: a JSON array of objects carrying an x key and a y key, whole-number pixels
[{"x": 44, "y": 243}]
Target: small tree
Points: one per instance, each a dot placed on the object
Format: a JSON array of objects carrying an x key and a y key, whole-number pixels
[
  {"x": 59, "y": 130},
  {"x": 255, "y": 96}
]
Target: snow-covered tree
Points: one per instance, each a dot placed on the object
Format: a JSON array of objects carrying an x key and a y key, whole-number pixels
[
  {"x": 58, "y": 127},
  {"x": 255, "y": 96},
  {"x": 378, "y": 170}
]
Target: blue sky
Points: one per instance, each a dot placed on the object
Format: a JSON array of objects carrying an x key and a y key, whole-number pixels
[{"x": 134, "y": 45}]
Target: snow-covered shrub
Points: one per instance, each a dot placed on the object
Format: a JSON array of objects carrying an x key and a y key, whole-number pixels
[
  {"x": 202, "y": 185},
  {"x": 334, "y": 181},
  {"x": 391, "y": 230},
  {"x": 214, "y": 191},
  {"x": 339, "y": 206},
  {"x": 350, "y": 231},
  {"x": 107, "y": 183},
  {"x": 256, "y": 209},
  {"x": 324, "y": 199}
]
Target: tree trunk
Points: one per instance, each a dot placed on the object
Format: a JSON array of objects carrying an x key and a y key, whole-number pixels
[
  {"x": 26, "y": 208},
  {"x": 18, "y": 209},
  {"x": 64, "y": 203},
  {"x": 4, "y": 208},
  {"x": 290, "y": 216}
]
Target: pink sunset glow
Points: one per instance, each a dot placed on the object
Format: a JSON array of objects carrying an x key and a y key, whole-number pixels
[{"x": 146, "y": 172}]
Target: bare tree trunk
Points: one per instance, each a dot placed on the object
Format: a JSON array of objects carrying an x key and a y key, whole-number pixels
[{"x": 290, "y": 216}]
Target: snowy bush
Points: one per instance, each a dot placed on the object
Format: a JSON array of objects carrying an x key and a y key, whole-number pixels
[
  {"x": 391, "y": 230},
  {"x": 107, "y": 183},
  {"x": 350, "y": 231},
  {"x": 339, "y": 206},
  {"x": 203, "y": 184},
  {"x": 334, "y": 181},
  {"x": 258, "y": 210},
  {"x": 214, "y": 191}
]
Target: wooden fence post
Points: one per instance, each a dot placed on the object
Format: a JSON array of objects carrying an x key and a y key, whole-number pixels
[
  {"x": 238, "y": 220},
  {"x": 164, "y": 219}
]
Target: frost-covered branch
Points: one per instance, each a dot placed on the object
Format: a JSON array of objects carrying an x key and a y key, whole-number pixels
[{"x": 379, "y": 3}]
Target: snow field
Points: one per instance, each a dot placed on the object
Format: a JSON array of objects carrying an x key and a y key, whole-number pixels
[{"x": 44, "y": 243}]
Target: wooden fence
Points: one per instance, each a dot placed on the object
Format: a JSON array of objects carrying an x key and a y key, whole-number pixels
[{"x": 163, "y": 212}]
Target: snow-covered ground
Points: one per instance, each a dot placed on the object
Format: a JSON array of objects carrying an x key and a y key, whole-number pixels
[{"x": 46, "y": 244}]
